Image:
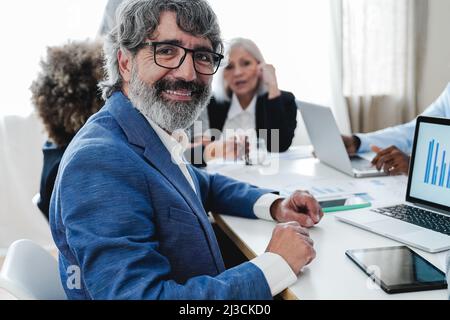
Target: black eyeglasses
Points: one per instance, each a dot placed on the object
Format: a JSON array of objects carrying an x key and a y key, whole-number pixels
[{"x": 172, "y": 56}]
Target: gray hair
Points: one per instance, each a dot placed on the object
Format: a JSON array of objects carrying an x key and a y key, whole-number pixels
[
  {"x": 221, "y": 89},
  {"x": 109, "y": 17},
  {"x": 138, "y": 19}
]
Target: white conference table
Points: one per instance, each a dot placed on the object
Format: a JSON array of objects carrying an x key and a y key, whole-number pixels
[{"x": 331, "y": 275}]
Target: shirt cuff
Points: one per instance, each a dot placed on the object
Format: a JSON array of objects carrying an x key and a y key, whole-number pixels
[
  {"x": 276, "y": 270},
  {"x": 261, "y": 208},
  {"x": 365, "y": 143}
]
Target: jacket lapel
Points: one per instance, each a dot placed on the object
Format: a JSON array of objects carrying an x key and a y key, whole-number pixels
[{"x": 139, "y": 132}]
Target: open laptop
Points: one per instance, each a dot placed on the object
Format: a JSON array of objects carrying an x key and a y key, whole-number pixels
[
  {"x": 328, "y": 145},
  {"x": 424, "y": 220}
]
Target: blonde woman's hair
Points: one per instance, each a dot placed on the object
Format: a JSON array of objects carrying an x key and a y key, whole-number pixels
[{"x": 221, "y": 90}]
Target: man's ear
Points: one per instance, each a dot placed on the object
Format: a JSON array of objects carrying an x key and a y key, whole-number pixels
[{"x": 125, "y": 65}]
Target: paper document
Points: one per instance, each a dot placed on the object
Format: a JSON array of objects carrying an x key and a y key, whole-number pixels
[{"x": 379, "y": 191}]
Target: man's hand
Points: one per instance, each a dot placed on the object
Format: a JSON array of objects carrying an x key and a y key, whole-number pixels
[
  {"x": 391, "y": 160},
  {"x": 301, "y": 207},
  {"x": 351, "y": 143},
  {"x": 293, "y": 244}
]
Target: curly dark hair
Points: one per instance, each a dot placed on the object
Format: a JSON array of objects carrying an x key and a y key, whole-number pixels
[{"x": 65, "y": 93}]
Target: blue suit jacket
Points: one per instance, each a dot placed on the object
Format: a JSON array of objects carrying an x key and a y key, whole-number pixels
[{"x": 125, "y": 215}]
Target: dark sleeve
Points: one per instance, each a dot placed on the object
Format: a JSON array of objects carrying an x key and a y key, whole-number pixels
[
  {"x": 280, "y": 113},
  {"x": 52, "y": 160},
  {"x": 47, "y": 183}
]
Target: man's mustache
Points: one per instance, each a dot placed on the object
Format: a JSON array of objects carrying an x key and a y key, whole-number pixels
[{"x": 195, "y": 87}]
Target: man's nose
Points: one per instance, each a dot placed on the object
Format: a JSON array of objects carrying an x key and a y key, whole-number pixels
[{"x": 186, "y": 71}]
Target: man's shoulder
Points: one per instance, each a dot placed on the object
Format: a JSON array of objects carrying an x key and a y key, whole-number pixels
[{"x": 98, "y": 139}]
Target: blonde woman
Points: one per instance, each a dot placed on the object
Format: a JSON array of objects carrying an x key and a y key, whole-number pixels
[{"x": 247, "y": 97}]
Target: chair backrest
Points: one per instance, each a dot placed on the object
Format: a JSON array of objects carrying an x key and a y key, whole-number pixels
[
  {"x": 35, "y": 200},
  {"x": 31, "y": 273}
]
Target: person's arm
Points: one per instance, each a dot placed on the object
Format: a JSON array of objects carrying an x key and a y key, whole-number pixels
[
  {"x": 402, "y": 136},
  {"x": 281, "y": 114},
  {"x": 224, "y": 195},
  {"x": 109, "y": 223}
]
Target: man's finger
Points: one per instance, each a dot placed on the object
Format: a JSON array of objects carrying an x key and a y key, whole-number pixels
[
  {"x": 375, "y": 149},
  {"x": 382, "y": 160},
  {"x": 389, "y": 165},
  {"x": 295, "y": 225},
  {"x": 302, "y": 200},
  {"x": 307, "y": 239},
  {"x": 382, "y": 153},
  {"x": 303, "y": 219}
]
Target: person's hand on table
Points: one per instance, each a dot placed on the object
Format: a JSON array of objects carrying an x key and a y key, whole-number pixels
[
  {"x": 292, "y": 242},
  {"x": 391, "y": 160},
  {"x": 301, "y": 207},
  {"x": 290, "y": 239}
]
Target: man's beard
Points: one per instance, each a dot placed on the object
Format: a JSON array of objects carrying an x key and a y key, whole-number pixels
[{"x": 169, "y": 115}]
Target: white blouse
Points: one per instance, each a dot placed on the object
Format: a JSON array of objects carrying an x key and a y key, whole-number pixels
[{"x": 240, "y": 118}]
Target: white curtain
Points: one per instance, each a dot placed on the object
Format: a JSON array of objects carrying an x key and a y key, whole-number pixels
[
  {"x": 337, "y": 69},
  {"x": 21, "y": 139},
  {"x": 383, "y": 44}
]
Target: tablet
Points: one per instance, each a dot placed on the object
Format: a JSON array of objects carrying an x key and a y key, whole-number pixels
[{"x": 398, "y": 269}]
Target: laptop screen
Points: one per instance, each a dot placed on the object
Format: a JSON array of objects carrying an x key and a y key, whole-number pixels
[{"x": 429, "y": 179}]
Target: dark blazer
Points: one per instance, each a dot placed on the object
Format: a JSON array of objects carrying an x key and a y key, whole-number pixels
[
  {"x": 52, "y": 158},
  {"x": 279, "y": 113}
]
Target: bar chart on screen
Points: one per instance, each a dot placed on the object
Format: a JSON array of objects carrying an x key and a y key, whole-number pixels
[{"x": 437, "y": 170}]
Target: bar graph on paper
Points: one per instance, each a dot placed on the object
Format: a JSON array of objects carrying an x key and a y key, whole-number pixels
[{"x": 437, "y": 170}]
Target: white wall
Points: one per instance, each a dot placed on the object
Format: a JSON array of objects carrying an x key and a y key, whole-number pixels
[{"x": 436, "y": 71}]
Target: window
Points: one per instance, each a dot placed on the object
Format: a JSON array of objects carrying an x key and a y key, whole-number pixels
[{"x": 27, "y": 28}]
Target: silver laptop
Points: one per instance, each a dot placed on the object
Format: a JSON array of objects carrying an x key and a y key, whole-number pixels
[
  {"x": 328, "y": 145},
  {"x": 423, "y": 221}
]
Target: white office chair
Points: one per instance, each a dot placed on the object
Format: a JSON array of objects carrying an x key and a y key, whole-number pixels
[
  {"x": 31, "y": 273},
  {"x": 35, "y": 200}
]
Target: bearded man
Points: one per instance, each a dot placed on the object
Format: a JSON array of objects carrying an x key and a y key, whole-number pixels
[{"x": 128, "y": 215}]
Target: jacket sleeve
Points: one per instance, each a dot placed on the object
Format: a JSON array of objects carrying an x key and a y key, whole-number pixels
[
  {"x": 281, "y": 114},
  {"x": 224, "y": 195},
  {"x": 105, "y": 210}
]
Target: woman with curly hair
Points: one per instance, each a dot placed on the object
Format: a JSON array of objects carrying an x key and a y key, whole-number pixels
[{"x": 65, "y": 94}]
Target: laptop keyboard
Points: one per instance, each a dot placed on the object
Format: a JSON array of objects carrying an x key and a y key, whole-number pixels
[
  {"x": 361, "y": 164},
  {"x": 419, "y": 217}
]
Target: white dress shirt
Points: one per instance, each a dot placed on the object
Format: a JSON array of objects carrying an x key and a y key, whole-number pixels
[
  {"x": 402, "y": 136},
  {"x": 276, "y": 270},
  {"x": 239, "y": 118}
]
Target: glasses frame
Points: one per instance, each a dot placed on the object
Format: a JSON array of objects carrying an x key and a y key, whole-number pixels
[{"x": 154, "y": 44}]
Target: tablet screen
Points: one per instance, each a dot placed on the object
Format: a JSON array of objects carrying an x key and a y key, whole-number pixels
[{"x": 398, "y": 269}]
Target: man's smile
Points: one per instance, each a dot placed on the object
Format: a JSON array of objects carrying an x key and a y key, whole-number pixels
[{"x": 179, "y": 95}]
